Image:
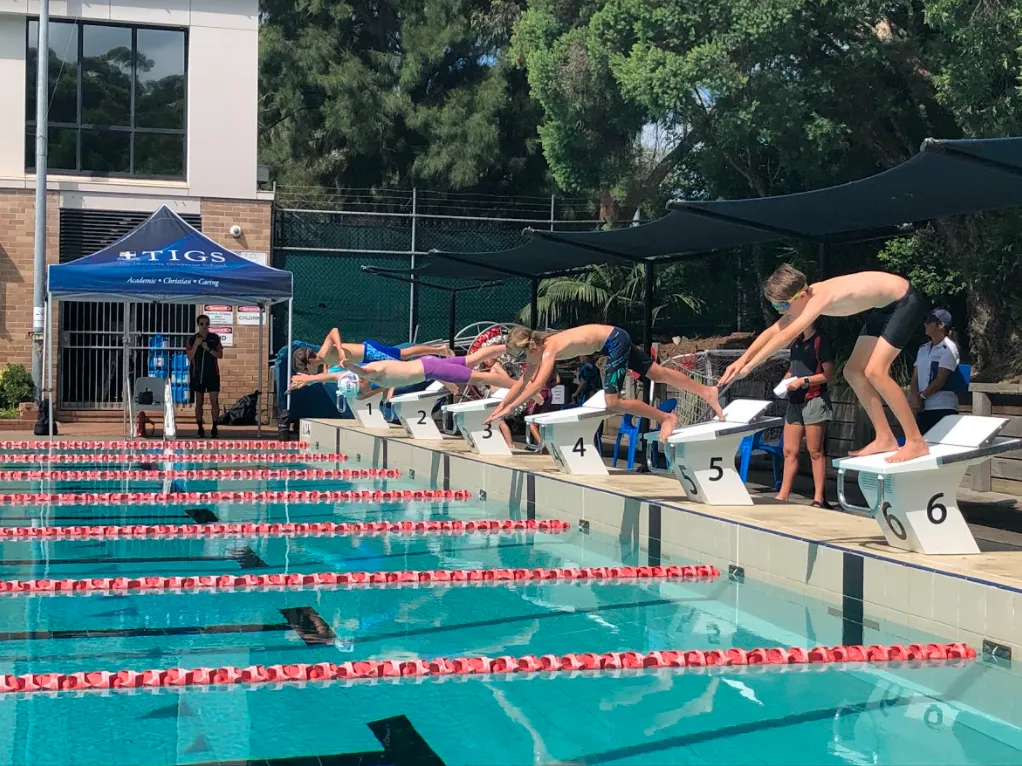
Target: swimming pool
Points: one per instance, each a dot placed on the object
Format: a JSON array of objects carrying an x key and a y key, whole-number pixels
[{"x": 797, "y": 715}]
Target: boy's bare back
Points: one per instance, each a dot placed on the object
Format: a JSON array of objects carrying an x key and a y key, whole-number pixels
[
  {"x": 578, "y": 341},
  {"x": 855, "y": 293}
]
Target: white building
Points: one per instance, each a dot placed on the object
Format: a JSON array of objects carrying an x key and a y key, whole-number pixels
[{"x": 151, "y": 102}]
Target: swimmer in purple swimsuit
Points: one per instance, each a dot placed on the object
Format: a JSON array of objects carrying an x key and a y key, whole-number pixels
[{"x": 455, "y": 370}]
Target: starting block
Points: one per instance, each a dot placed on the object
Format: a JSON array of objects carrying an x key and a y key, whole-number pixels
[
  {"x": 569, "y": 435},
  {"x": 415, "y": 411},
  {"x": 916, "y": 502},
  {"x": 369, "y": 411},
  {"x": 484, "y": 439},
  {"x": 702, "y": 456}
]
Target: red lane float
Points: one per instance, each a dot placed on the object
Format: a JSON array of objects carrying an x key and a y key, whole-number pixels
[
  {"x": 288, "y": 529},
  {"x": 226, "y": 582},
  {"x": 231, "y": 496},
  {"x": 609, "y": 662},
  {"x": 151, "y": 446},
  {"x": 135, "y": 457},
  {"x": 201, "y": 473}
]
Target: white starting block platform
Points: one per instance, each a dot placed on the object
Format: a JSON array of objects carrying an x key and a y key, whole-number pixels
[
  {"x": 916, "y": 502},
  {"x": 702, "y": 456},
  {"x": 368, "y": 411},
  {"x": 415, "y": 411},
  {"x": 484, "y": 439},
  {"x": 569, "y": 436}
]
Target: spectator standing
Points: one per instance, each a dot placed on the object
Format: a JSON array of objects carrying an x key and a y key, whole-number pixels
[
  {"x": 204, "y": 351},
  {"x": 930, "y": 394},
  {"x": 809, "y": 411}
]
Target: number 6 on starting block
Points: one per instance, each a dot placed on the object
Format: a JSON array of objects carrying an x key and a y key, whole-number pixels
[
  {"x": 916, "y": 502},
  {"x": 702, "y": 456}
]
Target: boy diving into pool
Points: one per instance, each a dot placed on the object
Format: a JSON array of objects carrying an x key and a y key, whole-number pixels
[
  {"x": 897, "y": 312},
  {"x": 334, "y": 351},
  {"x": 455, "y": 370},
  {"x": 542, "y": 350}
]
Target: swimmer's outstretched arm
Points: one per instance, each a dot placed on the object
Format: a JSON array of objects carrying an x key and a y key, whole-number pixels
[{"x": 302, "y": 379}]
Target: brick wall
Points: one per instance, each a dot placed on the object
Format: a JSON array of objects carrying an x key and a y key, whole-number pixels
[
  {"x": 238, "y": 370},
  {"x": 17, "y": 237}
]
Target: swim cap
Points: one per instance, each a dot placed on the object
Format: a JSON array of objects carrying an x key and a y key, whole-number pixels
[{"x": 347, "y": 385}]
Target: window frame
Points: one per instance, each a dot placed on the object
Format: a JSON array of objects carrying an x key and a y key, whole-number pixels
[{"x": 79, "y": 127}]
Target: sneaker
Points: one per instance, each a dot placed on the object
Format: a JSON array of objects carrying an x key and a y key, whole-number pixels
[
  {"x": 201, "y": 431},
  {"x": 215, "y": 432}
]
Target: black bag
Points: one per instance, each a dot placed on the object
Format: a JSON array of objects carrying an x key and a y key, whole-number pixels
[
  {"x": 42, "y": 421},
  {"x": 242, "y": 413}
]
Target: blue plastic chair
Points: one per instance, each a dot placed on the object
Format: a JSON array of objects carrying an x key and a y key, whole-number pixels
[
  {"x": 630, "y": 430},
  {"x": 755, "y": 443}
]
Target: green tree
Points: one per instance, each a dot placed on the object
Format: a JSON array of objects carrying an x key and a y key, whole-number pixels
[{"x": 363, "y": 94}]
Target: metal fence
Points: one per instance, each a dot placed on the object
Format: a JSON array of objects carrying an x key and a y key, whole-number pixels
[
  {"x": 324, "y": 239},
  {"x": 92, "y": 345}
]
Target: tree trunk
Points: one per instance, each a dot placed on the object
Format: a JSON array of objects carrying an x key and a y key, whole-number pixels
[{"x": 608, "y": 207}]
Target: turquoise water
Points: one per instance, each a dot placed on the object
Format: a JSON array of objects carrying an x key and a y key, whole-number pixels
[{"x": 829, "y": 716}]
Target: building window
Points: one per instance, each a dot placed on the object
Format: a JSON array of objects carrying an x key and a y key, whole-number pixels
[{"x": 117, "y": 100}]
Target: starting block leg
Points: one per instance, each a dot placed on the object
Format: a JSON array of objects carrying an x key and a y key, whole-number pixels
[
  {"x": 571, "y": 444},
  {"x": 417, "y": 418},
  {"x": 483, "y": 439},
  {"x": 918, "y": 511},
  {"x": 369, "y": 411},
  {"x": 706, "y": 470}
]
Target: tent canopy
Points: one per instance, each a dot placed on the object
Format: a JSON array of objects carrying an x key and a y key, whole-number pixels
[
  {"x": 164, "y": 259},
  {"x": 946, "y": 178}
]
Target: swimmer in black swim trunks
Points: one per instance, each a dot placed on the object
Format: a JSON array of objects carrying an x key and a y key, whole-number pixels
[{"x": 897, "y": 310}]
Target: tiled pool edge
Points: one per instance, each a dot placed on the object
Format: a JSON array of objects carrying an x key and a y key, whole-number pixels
[{"x": 863, "y": 588}]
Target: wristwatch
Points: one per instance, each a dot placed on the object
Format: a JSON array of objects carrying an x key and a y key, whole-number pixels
[{"x": 805, "y": 382}]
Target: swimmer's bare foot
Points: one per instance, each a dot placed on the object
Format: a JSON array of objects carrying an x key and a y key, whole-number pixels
[
  {"x": 911, "y": 450},
  {"x": 667, "y": 427},
  {"x": 875, "y": 447},
  {"x": 712, "y": 397}
]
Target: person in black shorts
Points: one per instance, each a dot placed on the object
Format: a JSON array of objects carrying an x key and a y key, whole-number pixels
[
  {"x": 204, "y": 350},
  {"x": 896, "y": 310},
  {"x": 809, "y": 411}
]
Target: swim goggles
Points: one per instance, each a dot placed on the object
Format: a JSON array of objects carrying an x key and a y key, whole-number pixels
[{"x": 785, "y": 305}]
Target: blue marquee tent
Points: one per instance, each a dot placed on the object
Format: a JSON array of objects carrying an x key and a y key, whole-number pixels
[{"x": 166, "y": 260}]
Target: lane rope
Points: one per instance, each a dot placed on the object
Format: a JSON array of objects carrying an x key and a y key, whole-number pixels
[
  {"x": 202, "y": 473},
  {"x": 227, "y": 582},
  {"x": 284, "y": 529},
  {"x": 128, "y": 457},
  {"x": 954, "y": 654},
  {"x": 150, "y": 446},
  {"x": 231, "y": 496}
]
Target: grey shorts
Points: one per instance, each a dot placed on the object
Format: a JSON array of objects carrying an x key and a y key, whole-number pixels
[{"x": 813, "y": 412}]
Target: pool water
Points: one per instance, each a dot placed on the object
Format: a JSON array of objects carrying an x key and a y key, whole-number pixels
[{"x": 826, "y": 716}]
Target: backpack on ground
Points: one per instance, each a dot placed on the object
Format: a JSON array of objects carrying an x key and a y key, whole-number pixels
[{"x": 242, "y": 413}]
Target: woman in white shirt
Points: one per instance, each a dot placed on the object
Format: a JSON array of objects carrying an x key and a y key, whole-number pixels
[{"x": 936, "y": 361}]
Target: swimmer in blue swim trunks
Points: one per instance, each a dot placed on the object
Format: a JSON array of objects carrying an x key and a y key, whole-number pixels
[
  {"x": 541, "y": 350},
  {"x": 335, "y": 351}
]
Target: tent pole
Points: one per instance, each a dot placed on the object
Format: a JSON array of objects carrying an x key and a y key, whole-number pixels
[
  {"x": 649, "y": 282},
  {"x": 126, "y": 395},
  {"x": 48, "y": 361},
  {"x": 290, "y": 329},
  {"x": 261, "y": 361}
]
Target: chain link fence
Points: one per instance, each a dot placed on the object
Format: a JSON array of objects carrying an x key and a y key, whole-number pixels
[{"x": 325, "y": 238}]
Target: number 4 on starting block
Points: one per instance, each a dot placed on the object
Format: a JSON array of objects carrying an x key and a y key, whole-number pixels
[{"x": 916, "y": 502}]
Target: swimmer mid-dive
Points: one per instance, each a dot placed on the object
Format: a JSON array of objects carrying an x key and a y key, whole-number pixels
[
  {"x": 334, "y": 351},
  {"x": 456, "y": 370},
  {"x": 541, "y": 350}
]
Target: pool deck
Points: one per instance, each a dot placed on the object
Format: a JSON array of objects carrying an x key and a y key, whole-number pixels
[{"x": 839, "y": 558}]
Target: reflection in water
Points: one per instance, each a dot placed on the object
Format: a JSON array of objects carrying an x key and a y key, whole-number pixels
[{"x": 540, "y": 755}]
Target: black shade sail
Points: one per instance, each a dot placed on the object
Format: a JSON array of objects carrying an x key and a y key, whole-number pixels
[{"x": 946, "y": 178}]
